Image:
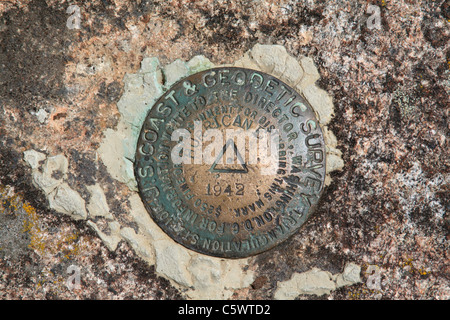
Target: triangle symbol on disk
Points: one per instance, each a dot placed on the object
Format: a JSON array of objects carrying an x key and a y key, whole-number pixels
[{"x": 216, "y": 167}]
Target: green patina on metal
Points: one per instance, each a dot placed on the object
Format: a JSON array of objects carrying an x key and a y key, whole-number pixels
[{"x": 227, "y": 204}]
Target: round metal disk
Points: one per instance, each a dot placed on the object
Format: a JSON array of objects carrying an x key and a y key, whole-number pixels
[{"x": 230, "y": 162}]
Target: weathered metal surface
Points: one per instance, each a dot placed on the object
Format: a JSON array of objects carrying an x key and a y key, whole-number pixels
[{"x": 223, "y": 200}]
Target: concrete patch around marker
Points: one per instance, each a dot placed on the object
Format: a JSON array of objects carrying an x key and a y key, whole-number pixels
[
  {"x": 111, "y": 240},
  {"x": 321, "y": 102},
  {"x": 33, "y": 158},
  {"x": 173, "y": 261},
  {"x": 199, "y": 276},
  {"x": 198, "y": 64},
  {"x": 140, "y": 244},
  {"x": 113, "y": 152},
  {"x": 67, "y": 201},
  {"x": 97, "y": 205},
  {"x": 206, "y": 277},
  {"x": 174, "y": 72},
  {"x": 293, "y": 72},
  {"x": 270, "y": 58},
  {"x": 317, "y": 282},
  {"x": 350, "y": 275},
  {"x": 49, "y": 174}
]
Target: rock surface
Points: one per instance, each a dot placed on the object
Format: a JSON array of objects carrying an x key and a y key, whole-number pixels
[{"x": 65, "y": 123}]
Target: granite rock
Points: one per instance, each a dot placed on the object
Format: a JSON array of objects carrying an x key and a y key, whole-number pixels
[{"x": 385, "y": 207}]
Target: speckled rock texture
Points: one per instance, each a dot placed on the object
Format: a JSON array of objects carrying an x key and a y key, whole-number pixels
[{"x": 386, "y": 213}]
